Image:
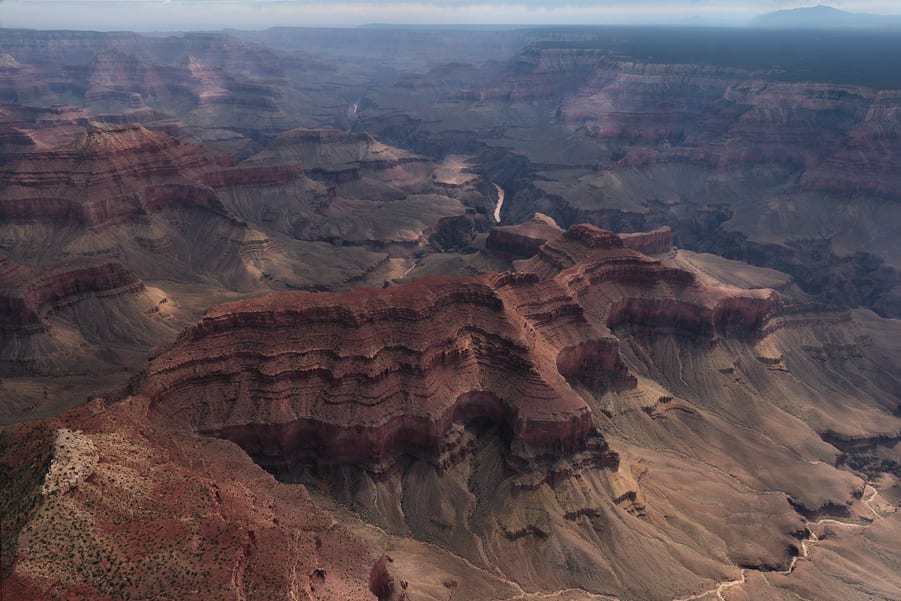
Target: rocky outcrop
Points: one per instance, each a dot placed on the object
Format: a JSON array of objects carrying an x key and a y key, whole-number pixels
[
  {"x": 366, "y": 376},
  {"x": 253, "y": 176},
  {"x": 206, "y": 74},
  {"x": 457, "y": 232},
  {"x": 51, "y": 315},
  {"x": 523, "y": 240},
  {"x": 28, "y": 292},
  {"x": 655, "y": 242},
  {"x": 96, "y": 466},
  {"x": 409, "y": 362},
  {"x": 541, "y": 71},
  {"x": 110, "y": 172},
  {"x": 125, "y": 192},
  {"x": 29, "y": 128},
  {"x": 338, "y": 157},
  {"x": 841, "y": 137},
  {"x": 680, "y": 139},
  {"x": 384, "y": 584}
]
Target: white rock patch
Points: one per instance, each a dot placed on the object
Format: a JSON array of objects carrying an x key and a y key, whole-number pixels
[{"x": 74, "y": 459}]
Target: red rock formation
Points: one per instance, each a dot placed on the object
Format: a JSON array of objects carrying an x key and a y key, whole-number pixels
[
  {"x": 360, "y": 377},
  {"x": 409, "y": 361},
  {"x": 655, "y": 242},
  {"x": 25, "y": 128},
  {"x": 206, "y": 73},
  {"x": 338, "y": 157},
  {"x": 166, "y": 514},
  {"x": 253, "y": 176},
  {"x": 27, "y": 291},
  {"x": 110, "y": 172},
  {"x": 383, "y": 583},
  {"x": 51, "y": 317},
  {"x": 727, "y": 117},
  {"x": 523, "y": 240},
  {"x": 843, "y": 138}
]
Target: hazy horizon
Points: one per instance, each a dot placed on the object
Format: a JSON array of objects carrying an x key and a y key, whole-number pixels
[{"x": 181, "y": 15}]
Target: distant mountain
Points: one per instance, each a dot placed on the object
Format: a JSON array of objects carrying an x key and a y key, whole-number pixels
[{"x": 825, "y": 17}]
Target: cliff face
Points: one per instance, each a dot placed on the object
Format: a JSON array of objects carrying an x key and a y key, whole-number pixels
[
  {"x": 472, "y": 413},
  {"x": 128, "y": 193},
  {"x": 739, "y": 157},
  {"x": 842, "y": 138},
  {"x": 365, "y": 376},
  {"x": 55, "y": 320},
  {"x": 493, "y": 410},
  {"x": 28, "y": 290},
  {"x": 337, "y": 157},
  {"x": 523, "y": 240},
  {"x": 100, "y": 464},
  {"x": 104, "y": 175},
  {"x": 404, "y": 364},
  {"x": 656, "y": 242},
  {"x": 203, "y": 78}
]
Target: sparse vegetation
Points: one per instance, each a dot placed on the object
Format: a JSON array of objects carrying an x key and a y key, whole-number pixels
[{"x": 25, "y": 455}]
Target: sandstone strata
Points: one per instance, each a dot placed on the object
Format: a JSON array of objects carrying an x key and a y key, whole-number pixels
[
  {"x": 523, "y": 240},
  {"x": 360, "y": 377},
  {"x": 50, "y": 315}
]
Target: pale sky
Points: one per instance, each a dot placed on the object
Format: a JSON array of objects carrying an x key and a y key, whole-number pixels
[{"x": 142, "y": 15}]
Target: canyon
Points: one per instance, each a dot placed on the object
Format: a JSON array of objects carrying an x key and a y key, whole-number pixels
[{"x": 550, "y": 313}]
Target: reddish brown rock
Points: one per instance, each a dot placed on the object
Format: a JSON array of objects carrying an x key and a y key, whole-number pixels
[
  {"x": 383, "y": 583},
  {"x": 523, "y": 240},
  {"x": 339, "y": 157},
  {"x": 253, "y": 176},
  {"x": 51, "y": 318},
  {"x": 360, "y": 377},
  {"x": 109, "y": 172},
  {"x": 655, "y": 242},
  {"x": 154, "y": 510},
  {"x": 28, "y": 291},
  {"x": 725, "y": 117}
]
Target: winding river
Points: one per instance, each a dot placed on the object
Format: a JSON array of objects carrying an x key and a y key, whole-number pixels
[{"x": 500, "y": 203}]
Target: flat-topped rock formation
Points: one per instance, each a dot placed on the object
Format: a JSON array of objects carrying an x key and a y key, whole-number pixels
[
  {"x": 523, "y": 239},
  {"x": 28, "y": 290},
  {"x": 139, "y": 196},
  {"x": 655, "y": 242},
  {"x": 338, "y": 157},
  {"x": 363, "y": 376},
  {"x": 108, "y": 172},
  {"x": 405, "y": 363}
]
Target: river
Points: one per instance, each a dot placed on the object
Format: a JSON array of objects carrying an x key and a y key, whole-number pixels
[{"x": 500, "y": 203}]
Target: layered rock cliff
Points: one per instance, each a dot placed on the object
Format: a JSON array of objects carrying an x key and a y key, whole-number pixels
[
  {"x": 107, "y": 173},
  {"x": 523, "y": 240},
  {"x": 479, "y": 411},
  {"x": 751, "y": 159},
  {"x": 362, "y": 377},
  {"x": 595, "y": 422},
  {"x": 55, "y": 320}
]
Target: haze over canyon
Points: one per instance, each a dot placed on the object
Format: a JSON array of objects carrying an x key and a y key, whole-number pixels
[{"x": 567, "y": 313}]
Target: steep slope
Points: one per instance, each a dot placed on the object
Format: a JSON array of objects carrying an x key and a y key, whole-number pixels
[
  {"x": 536, "y": 422},
  {"x": 58, "y": 320},
  {"x": 564, "y": 429},
  {"x": 783, "y": 161},
  {"x": 123, "y": 191},
  {"x": 583, "y": 415},
  {"x": 120, "y": 509}
]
